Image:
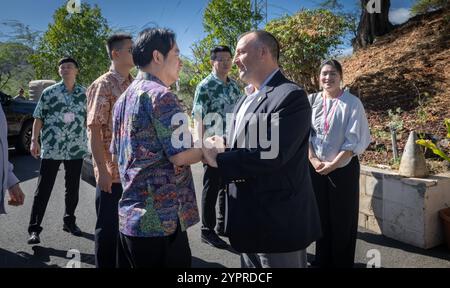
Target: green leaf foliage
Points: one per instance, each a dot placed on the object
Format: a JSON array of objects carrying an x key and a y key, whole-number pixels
[
  {"x": 15, "y": 71},
  {"x": 224, "y": 21},
  {"x": 79, "y": 35},
  {"x": 424, "y": 6},
  {"x": 306, "y": 38}
]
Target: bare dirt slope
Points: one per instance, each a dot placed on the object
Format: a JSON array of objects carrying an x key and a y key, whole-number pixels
[{"x": 408, "y": 68}]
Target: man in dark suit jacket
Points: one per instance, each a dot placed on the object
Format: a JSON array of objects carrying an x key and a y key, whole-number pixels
[{"x": 272, "y": 216}]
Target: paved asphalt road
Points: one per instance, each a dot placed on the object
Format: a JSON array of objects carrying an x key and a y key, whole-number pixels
[{"x": 55, "y": 243}]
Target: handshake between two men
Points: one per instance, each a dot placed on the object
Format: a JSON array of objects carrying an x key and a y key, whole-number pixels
[
  {"x": 208, "y": 152},
  {"x": 210, "y": 148}
]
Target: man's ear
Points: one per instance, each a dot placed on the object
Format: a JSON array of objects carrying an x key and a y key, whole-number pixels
[
  {"x": 263, "y": 50},
  {"x": 114, "y": 53},
  {"x": 157, "y": 57}
]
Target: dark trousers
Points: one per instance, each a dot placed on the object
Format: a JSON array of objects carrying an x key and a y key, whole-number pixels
[
  {"x": 171, "y": 251},
  {"x": 47, "y": 176},
  {"x": 213, "y": 191},
  {"x": 338, "y": 202},
  {"x": 107, "y": 226}
]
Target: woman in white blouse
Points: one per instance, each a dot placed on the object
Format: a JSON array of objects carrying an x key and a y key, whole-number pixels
[{"x": 339, "y": 133}]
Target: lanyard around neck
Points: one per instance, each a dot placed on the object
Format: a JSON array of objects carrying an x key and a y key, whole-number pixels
[
  {"x": 68, "y": 99},
  {"x": 68, "y": 96},
  {"x": 327, "y": 122}
]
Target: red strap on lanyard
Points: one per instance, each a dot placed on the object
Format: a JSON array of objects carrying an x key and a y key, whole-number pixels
[{"x": 326, "y": 124}]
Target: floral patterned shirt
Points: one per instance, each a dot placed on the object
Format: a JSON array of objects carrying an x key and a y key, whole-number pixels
[
  {"x": 155, "y": 197},
  {"x": 101, "y": 97},
  {"x": 212, "y": 95},
  {"x": 63, "y": 134}
]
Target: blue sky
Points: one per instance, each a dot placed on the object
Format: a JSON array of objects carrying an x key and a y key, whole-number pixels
[{"x": 182, "y": 16}]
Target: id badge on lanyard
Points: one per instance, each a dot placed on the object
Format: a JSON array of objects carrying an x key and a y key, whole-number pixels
[{"x": 69, "y": 117}]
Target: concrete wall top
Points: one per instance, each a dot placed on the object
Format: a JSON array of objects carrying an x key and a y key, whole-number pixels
[{"x": 385, "y": 173}]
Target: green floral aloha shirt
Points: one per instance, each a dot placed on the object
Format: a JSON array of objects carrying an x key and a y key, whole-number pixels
[
  {"x": 214, "y": 96},
  {"x": 63, "y": 135}
]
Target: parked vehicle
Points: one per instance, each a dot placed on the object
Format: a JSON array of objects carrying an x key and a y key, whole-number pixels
[{"x": 19, "y": 115}]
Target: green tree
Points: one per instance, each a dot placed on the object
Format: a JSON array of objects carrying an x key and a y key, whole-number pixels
[
  {"x": 201, "y": 52},
  {"x": 351, "y": 15},
  {"x": 19, "y": 43},
  {"x": 306, "y": 38},
  {"x": 224, "y": 21},
  {"x": 424, "y": 6},
  {"x": 15, "y": 71},
  {"x": 186, "y": 89},
  {"x": 80, "y": 35}
]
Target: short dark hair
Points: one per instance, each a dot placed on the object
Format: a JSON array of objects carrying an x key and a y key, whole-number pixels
[
  {"x": 115, "y": 42},
  {"x": 217, "y": 49},
  {"x": 149, "y": 40},
  {"x": 67, "y": 59},
  {"x": 333, "y": 63},
  {"x": 268, "y": 40}
]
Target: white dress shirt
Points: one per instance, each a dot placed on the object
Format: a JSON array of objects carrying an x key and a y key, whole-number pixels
[
  {"x": 247, "y": 102},
  {"x": 348, "y": 130}
]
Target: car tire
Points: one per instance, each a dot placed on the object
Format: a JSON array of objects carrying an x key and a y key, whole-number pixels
[{"x": 24, "y": 141}]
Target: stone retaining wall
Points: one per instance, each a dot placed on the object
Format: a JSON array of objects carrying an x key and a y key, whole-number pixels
[{"x": 405, "y": 209}]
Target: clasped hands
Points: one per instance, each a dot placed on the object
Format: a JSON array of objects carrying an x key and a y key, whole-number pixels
[
  {"x": 211, "y": 147},
  {"x": 323, "y": 168}
]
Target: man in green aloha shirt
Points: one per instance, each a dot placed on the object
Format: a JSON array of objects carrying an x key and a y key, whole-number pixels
[
  {"x": 60, "y": 119},
  {"x": 215, "y": 96}
]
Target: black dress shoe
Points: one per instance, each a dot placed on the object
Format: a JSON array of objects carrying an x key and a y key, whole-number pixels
[
  {"x": 34, "y": 238},
  {"x": 72, "y": 229},
  {"x": 211, "y": 238},
  {"x": 221, "y": 232}
]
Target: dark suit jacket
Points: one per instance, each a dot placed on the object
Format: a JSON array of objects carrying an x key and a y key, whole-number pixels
[{"x": 271, "y": 207}]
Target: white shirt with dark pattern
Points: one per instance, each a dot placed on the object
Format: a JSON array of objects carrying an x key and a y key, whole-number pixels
[
  {"x": 63, "y": 134},
  {"x": 215, "y": 96}
]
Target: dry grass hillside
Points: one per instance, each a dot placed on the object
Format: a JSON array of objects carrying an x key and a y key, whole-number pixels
[{"x": 408, "y": 68}]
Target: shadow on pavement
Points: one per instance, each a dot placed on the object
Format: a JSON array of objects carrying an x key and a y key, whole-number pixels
[
  {"x": 440, "y": 252},
  {"x": 25, "y": 166},
  {"x": 39, "y": 259},
  {"x": 88, "y": 236},
  {"x": 312, "y": 257},
  {"x": 199, "y": 263},
  {"x": 21, "y": 260},
  {"x": 231, "y": 250}
]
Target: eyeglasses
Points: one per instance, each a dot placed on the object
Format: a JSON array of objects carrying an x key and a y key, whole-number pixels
[{"x": 130, "y": 50}]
